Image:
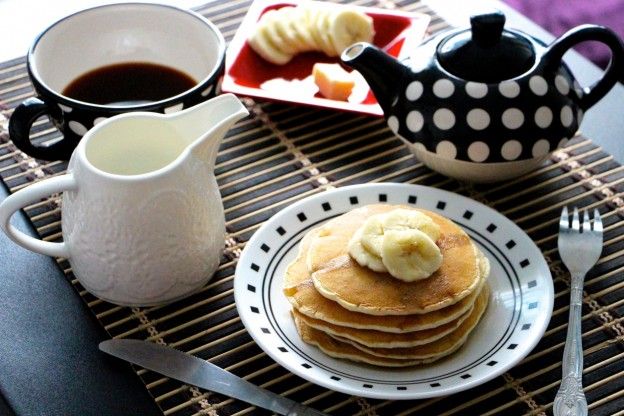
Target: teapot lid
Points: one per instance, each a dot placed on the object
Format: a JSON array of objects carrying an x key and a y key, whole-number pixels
[{"x": 486, "y": 52}]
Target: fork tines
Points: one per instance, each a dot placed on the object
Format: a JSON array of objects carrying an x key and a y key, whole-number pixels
[{"x": 564, "y": 221}]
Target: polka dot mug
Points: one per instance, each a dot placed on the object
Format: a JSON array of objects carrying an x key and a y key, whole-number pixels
[
  {"x": 110, "y": 35},
  {"x": 485, "y": 104}
]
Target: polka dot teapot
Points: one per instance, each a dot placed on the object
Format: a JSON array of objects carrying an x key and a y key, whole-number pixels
[{"x": 485, "y": 103}]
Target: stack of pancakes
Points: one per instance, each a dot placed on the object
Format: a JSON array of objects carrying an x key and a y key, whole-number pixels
[{"x": 352, "y": 312}]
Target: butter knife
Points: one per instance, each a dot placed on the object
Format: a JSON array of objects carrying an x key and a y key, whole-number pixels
[{"x": 197, "y": 372}]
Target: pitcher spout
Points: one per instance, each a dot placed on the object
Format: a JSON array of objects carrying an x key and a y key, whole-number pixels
[
  {"x": 382, "y": 71},
  {"x": 206, "y": 124}
]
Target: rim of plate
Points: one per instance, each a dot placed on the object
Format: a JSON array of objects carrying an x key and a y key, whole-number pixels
[{"x": 321, "y": 197}]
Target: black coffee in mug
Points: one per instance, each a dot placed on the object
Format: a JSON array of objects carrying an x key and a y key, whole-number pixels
[
  {"x": 129, "y": 83},
  {"x": 131, "y": 65}
]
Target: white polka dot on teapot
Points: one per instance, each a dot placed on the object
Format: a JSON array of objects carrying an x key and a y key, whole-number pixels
[
  {"x": 562, "y": 85},
  {"x": 478, "y": 119},
  {"x": 443, "y": 88},
  {"x": 512, "y": 118},
  {"x": 566, "y": 116},
  {"x": 446, "y": 149},
  {"x": 476, "y": 89},
  {"x": 541, "y": 148},
  {"x": 538, "y": 85},
  {"x": 444, "y": 119},
  {"x": 414, "y": 90},
  {"x": 543, "y": 117},
  {"x": 393, "y": 123},
  {"x": 414, "y": 121},
  {"x": 509, "y": 89},
  {"x": 511, "y": 150},
  {"x": 478, "y": 151}
]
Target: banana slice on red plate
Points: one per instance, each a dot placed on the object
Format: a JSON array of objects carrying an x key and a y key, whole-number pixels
[
  {"x": 262, "y": 42},
  {"x": 282, "y": 33},
  {"x": 347, "y": 27},
  {"x": 322, "y": 24},
  {"x": 286, "y": 27},
  {"x": 277, "y": 33}
]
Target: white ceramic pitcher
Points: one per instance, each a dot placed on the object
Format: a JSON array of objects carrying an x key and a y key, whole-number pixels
[{"x": 142, "y": 217}]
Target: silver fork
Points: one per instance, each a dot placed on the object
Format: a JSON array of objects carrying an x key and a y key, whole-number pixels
[{"x": 579, "y": 247}]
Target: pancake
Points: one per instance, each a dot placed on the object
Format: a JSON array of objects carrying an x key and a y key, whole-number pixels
[
  {"x": 412, "y": 361},
  {"x": 297, "y": 271},
  {"x": 338, "y": 349},
  {"x": 379, "y": 339},
  {"x": 343, "y": 280},
  {"x": 303, "y": 296},
  {"x": 333, "y": 236},
  {"x": 437, "y": 349}
]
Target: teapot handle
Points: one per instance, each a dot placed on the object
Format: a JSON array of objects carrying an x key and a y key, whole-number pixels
[
  {"x": 600, "y": 88},
  {"x": 27, "y": 196}
]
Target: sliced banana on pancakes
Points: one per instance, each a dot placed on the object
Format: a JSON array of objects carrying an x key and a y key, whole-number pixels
[
  {"x": 400, "y": 242},
  {"x": 283, "y": 33},
  {"x": 410, "y": 254},
  {"x": 364, "y": 256}
]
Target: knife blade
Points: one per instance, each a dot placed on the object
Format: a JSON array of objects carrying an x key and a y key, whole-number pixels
[{"x": 197, "y": 372}]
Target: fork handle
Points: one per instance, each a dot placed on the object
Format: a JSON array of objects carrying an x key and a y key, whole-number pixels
[{"x": 570, "y": 399}]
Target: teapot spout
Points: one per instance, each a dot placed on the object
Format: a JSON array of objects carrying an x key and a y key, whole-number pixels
[
  {"x": 206, "y": 124},
  {"x": 382, "y": 71}
]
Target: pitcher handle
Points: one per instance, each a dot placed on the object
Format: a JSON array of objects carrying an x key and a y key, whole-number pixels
[
  {"x": 26, "y": 196},
  {"x": 601, "y": 34}
]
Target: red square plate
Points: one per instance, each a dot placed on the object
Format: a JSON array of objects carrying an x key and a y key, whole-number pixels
[{"x": 247, "y": 74}]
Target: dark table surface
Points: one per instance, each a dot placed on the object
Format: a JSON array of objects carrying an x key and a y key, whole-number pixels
[{"x": 49, "y": 360}]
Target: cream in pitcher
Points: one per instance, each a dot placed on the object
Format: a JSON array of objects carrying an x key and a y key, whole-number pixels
[{"x": 142, "y": 217}]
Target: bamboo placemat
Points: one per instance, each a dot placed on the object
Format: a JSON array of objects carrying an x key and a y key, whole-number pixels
[{"x": 283, "y": 153}]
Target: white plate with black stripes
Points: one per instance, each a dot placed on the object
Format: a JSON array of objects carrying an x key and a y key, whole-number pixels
[{"x": 520, "y": 307}]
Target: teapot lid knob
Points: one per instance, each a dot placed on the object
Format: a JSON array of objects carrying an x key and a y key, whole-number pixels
[
  {"x": 487, "y": 28},
  {"x": 486, "y": 52}
]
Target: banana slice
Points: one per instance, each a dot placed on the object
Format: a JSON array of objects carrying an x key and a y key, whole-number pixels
[
  {"x": 375, "y": 227},
  {"x": 401, "y": 242},
  {"x": 400, "y": 219},
  {"x": 322, "y": 24},
  {"x": 260, "y": 42},
  {"x": 311, "y": 16},
  {"x": 286, "y": 30},
  {"x": 410, "y": 254},
  {"x": 299, "y": 24},
  {"x": 278, "y": 38},
  {"x": 364, "y": 257},
  {"x": 348, "y": 26},
  {"x": 373, "y": 234}
]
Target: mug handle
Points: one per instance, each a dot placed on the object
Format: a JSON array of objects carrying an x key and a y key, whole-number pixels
[
  {"x": 27, "y": 196},
  {"x": 19, "y": 131},
  {"x": 600, "y": 88}
]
